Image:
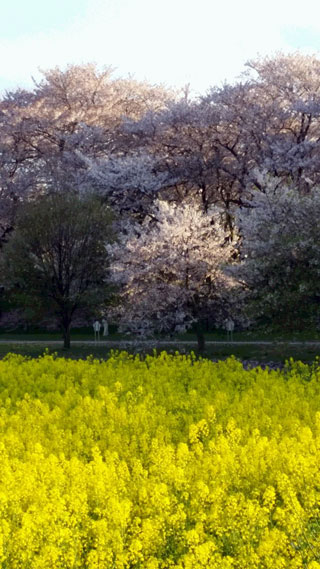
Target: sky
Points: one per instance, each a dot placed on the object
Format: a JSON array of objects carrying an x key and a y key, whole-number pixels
[{"x": 174, "y": 42}]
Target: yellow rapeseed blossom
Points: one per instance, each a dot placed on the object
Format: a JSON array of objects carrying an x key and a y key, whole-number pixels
[{"x": 166, "y": 462}]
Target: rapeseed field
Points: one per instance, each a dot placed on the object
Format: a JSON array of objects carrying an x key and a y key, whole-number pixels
[{"x": 166, "y": 462}]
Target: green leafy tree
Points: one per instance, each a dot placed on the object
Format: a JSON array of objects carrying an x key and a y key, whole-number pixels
[
  {"x": 280, "y": 255},
  {"x": 57, "y": 255}
]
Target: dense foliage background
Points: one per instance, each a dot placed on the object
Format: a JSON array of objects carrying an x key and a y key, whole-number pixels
[{"x": 244, "y": 158}]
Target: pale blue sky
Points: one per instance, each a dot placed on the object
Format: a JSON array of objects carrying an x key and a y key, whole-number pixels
[
  {"x": 28, "y": 17},
  {"x": 201, "y": 42}
]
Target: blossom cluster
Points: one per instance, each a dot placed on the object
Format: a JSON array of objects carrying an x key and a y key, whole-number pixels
[
  {"x": 158, "y": 463},
  {"x": 187, "y": 250}
]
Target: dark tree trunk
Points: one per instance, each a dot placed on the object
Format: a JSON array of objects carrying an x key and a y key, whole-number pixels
[
  {"x": 66, "y": 337},
  {"x": 66, "y": 327},
  {"x": 200, "y": 338}
]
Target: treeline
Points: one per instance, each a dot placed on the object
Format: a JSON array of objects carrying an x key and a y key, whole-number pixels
[{"x": 214, "y": 201}]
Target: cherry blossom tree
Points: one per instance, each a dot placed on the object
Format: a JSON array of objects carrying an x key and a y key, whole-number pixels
[
  {"x": 70, "y": 114},
  {"x": 208, "y": 150},
  {"x": 170, "y": 271},
  {"x": 133, "y": 142},
  {"x": 131, "y": 183},
  {"x": 81, "y": 129}
]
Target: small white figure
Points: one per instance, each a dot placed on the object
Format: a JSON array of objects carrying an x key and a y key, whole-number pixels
[
  {"x": 96, "y": 329},
  {"x": 229, "y": 324},
  {"x": 105, "y": 327}
]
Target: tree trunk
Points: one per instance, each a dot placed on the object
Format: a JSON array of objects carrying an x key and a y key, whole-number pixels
[
  {"x": 200, "y": 338},
  {"x": 66, "y": 334},
  {"x": 66, "y": 338}
]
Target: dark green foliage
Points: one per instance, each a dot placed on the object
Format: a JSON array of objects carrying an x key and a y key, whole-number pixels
[{"x": 56, "y": 258}]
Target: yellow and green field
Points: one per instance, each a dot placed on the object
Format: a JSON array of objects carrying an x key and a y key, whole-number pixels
[{"x": 169, "y": 462}]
